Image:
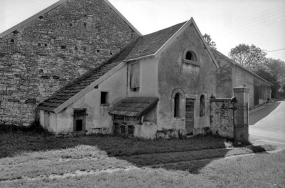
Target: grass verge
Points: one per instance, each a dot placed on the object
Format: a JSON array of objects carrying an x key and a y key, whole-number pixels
[{"x": 15, "y": 143}]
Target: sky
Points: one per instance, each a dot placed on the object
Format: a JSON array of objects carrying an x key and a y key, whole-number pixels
[{"x": 229, "y": 22}]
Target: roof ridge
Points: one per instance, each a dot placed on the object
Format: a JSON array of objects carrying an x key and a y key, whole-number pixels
[{"x": 164, "y": 29}]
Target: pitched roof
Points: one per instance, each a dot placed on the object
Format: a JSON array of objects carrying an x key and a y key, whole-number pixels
[
  {"x": 133, "y": 106},
  {"x": 83, "y": 81},
  {"x": 219, "y": 55},
  {"x": 144, "y": 45},
  {"x": 151, "y": 43},
  {"x": 53, "y": 6},
  {"x": 148, "y": 45}
]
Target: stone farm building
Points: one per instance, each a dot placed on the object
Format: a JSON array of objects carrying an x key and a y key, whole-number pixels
[
  {"x": 46, "y": 51},
  {"x": 125, "y": 82},
  {"x": 232, "y": 74}
]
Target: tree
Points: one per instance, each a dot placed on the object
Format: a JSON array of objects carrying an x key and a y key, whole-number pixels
[
  {"x": 248, "y": 56},
  {"x": 270, "y": 78},
  {"x": 209, "y": 41},
  {"x": 276, "y": 68}
]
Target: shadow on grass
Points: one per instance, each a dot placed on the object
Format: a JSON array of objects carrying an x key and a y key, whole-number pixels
[{"x": 168, "y": 154}]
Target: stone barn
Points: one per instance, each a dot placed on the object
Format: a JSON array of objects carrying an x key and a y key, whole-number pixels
[
  {"x": 157, "y": 86},
  {"x": 232, "y": 74},
  {"x": 43, "y": 53}
]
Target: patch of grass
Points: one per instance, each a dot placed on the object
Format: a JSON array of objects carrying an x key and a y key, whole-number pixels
[
  {"x": 262, "y": 170},
  {"x": 15, "y": 143},
  {"x": 158, "y": 178},
  {"x": 164, "y": 158},
  {"x": 58, "y": 162}
]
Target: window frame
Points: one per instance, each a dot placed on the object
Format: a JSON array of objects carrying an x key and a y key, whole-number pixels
[
  {"x": 181, "y": 113},
  {"x": 79, "y": 114},
  {"x": 195, "y": 62}
]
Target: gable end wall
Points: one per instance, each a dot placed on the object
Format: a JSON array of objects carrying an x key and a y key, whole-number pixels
[
  {"x": 173, "y": 75},
  {"x": 44, "y": 55}
]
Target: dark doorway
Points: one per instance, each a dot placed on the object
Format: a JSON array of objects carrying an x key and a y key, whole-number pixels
[
  {"x": 79, "y": 120},
  {"x": 189, "y": 115},
  {"x": 79, "y": 125}
]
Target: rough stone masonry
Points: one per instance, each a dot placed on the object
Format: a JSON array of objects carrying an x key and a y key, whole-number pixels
[{"x": 40, "y": 57}]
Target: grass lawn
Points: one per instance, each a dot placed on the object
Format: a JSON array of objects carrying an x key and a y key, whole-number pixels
[
  {"x": 12, "y": 144},
  {"x": 42, "y": 160},
  {"x": 260, "y": 171}
]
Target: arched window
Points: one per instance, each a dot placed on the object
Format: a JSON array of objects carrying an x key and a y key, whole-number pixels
[
  {"x": 190, "y": 56},
  {"x": 177, "y": 99},
  {"x": 202, "y": 105}
]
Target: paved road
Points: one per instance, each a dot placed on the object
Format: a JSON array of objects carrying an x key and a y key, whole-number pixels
[{"x": 268, "y": 124}]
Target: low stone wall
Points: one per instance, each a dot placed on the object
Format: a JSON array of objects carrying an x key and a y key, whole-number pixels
[
  {"x": 222, "y": 117},
  {"x": 101, "y": 131},
  {"x": 170, "y": 133}
]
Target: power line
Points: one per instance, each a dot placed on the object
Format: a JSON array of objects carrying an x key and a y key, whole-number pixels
[
  {"x": 276, "y": 16},
  {"x": 246, "y": 26},
  {"x": 276, "y": 50},
  {"x": 256, "y": 16}
]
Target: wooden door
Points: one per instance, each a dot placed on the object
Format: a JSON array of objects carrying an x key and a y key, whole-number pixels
[{"x": 189, "y": 115}]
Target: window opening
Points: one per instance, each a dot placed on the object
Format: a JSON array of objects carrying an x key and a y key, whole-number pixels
[
  {"x": 190, "y": 56},
  {"x": 135, "y": 77},
  {"x": 202, "y": 105},
  {"x": 177, "y": 105},
  {"x": 104, "y": 98}
]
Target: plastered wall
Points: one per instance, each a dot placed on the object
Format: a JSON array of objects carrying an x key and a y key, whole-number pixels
[{"x": 193, "y": 84}]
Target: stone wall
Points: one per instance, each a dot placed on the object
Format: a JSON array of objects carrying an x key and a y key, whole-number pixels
[
  {"x": 222, "y": 117},
  {"x": 42, "y": 56}
]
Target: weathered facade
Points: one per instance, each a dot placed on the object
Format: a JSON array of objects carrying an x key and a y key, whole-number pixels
[
  {"x": 158, "y": 86},
  {"x": 40, "y": 55},
  {"x": 231, "y": 74}
]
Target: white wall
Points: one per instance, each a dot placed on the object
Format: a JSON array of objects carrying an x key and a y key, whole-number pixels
[
  {"x": 148, "y": 78},
  {"x": 98, "y": 116}
]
